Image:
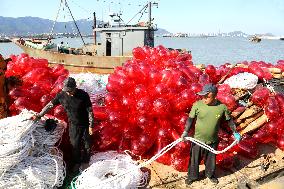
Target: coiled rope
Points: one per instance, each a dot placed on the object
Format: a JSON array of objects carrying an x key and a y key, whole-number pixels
[
  {"x": 27, "y": 156},
  {"x": 108, "y": 164},
  {"x": 95, "y": 175},
  {"x": 243, "y": 80},
  {"x": 40, "y": 170},
  {"x": 48, "y": 138}
]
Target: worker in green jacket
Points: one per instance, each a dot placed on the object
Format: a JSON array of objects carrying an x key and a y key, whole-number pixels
[{"x": 208, "y": 113}]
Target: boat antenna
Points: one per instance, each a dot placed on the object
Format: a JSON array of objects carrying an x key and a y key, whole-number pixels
[
  {"x": 66, "y": 4},
  {"x": 56, "y": 17}
]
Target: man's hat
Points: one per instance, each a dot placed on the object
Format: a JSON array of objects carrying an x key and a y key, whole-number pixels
[
  {"x": 208, "y": 88},
  {"x": 69, "y": 84}
]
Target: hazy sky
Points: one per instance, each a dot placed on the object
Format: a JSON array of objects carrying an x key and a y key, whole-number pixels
[{"x": 193, "y": 16}]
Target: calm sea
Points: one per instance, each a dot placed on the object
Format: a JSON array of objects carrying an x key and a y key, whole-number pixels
[{"x": 212, "y": 50}]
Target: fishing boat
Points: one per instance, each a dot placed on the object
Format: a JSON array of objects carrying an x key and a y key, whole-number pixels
[
  {"x": 255, "y": 39},
  {"x": 117, "y": 40},
  {"x": 5, "y": 40}
]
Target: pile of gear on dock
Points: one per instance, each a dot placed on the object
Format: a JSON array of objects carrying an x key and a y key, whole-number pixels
[
  {"x": 149, "y": 97},
  {"x": 29, "y": 158},
  {"x": 145, "y": 103}
]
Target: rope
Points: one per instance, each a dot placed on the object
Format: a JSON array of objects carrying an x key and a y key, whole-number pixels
[
  {"x": 106, "y": 165},
  {"x": 269, "y": 86},
  {"x": 243, "y": 80},
  {"x": 51, "y": 32},
  {"x": 91, "y": 83},
  {"x": 42, "y": 170},
  {"x": 94, "y": 176},
  {"x": 48, "y": 138},
  {"x": 27, "y": 159},
  {"x": 140, "y": 12},
  {"x": 88, "y": 11}
]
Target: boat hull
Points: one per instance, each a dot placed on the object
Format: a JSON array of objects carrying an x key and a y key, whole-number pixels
[
  {"x": 5, "y": 40},
  {"x": 78, "y": 63}
]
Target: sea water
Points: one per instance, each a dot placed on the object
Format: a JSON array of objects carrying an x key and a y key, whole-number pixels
[{"x": 211, "y": 50}]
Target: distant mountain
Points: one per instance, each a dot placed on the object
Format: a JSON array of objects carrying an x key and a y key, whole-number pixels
[
  {"x": 161, "y": 31},
  {"x": 34, "y": 25}
]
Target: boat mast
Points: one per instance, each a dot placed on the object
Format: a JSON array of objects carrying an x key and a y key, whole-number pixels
[
  {"x": 150, "y": 13},
  {"x": 150, "y": 4},
  {"x": 66, "y": 4},
  {"x": 94, "y": 27}
]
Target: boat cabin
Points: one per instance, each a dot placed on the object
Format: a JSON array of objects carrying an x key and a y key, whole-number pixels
[{"x": 119, "y": 41}]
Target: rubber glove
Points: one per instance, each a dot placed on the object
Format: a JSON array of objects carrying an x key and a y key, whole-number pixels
[
  {"x": 91, "y": 131},
  {"x": 184, "y": 134},
  {"x": 237, "y": 136}
]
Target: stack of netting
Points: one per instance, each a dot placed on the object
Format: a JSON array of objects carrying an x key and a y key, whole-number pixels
[
  {"x": 107, "y": 172},
  {"x": 27, "y": 156},
  {"x": 44, "y": 168},
  {"x": 243, "y": 80},
  {"x": 93, "y": 84},
  {"x": 15, "y": 140},
  {"x": 42, "y": 137}
]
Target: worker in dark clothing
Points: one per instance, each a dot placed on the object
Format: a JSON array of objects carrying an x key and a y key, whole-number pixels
[
  {"x": 3, "y": 92},
  {"x": 3, "y": 87},
  {"x": 78, "y": 107},
  {"x": 208, "y": 113}
]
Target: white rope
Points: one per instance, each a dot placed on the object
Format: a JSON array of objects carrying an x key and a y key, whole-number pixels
[
  {"x": 56, "y": 17},
  {"x": 15, "y": 128},
  {"x": 94, "y": 176},
  {"x": 243, "y": 80},
  {"x": 41, "y": 170},
  {"x": 270, "y": 88},
  {"x": 91, "y": 83},
  {"x": 6, "y": 162},
  {"x": 207, "y": 147},
  {"x": 49, "y": 138},
  {"x": 15, "y": 139},
  {"x": 106, "y": 165},
  {"x": 27, "y": 159}
]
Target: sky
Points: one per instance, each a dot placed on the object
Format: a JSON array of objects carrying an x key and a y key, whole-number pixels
[{"x": 189, "y": 16}]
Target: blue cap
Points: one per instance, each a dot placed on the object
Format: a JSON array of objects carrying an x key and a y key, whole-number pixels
[{"x": 208, "y": 88}]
